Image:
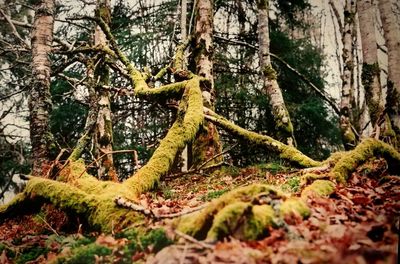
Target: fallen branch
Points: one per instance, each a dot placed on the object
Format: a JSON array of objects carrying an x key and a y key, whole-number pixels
[
  {"x": 286, "y": 152},
  {"x": 121, "y": 201},
  {"x": 193, "y": 240}
]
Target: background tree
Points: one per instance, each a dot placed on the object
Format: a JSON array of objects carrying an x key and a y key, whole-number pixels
[
  {"x": 371, "y": 70},
  {"x": 40, "y": 100},
  {"x": 390, "y": 24},
  {"x": 104, "y": 127},
  {"x": 348, "y": 136},
  {"x": 207, "y": 143},
  {"x": 282, "y": 122}
]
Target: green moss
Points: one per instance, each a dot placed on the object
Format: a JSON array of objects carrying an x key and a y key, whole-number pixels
[
  {"x": 291, "y": 185},
  {"x": 272, "y": 167},
  {"x": 199, "y": 223},
  {"x": 257, "y": 223},
  {"x": 269, "y": 72},
  {"x": 100, "y": 210},
  {"x": 156, "y": 238},
  {"x": 348, "y": 137},
  {"x": 180, "y": 133},
  {"x": 85, "y": 254},
  {"x": 286, "y": 152},
  {"x": 322, "y": 188},
  {"x": 212, "y": 195},
  {"x": 31, "y": 253},
  {"x": 294, "y": 206},
  {"x": 9, "y": 251},
  {"x": 368, "y": 148},
  {"x": 370, "y": 74},
  {"x": 227, "y": 220}
]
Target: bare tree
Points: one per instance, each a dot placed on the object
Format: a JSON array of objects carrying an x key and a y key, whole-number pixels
[
  {"x": 207, "y": 143},
  {"x": 370, "y": 71},
  {"x": 103, "y": 135},
  {"x": 283, "y": 124},
  {"x": 391, "y": 29},
  {"x": 40, "y": 100},
  {"x": 348, "y": 135}
]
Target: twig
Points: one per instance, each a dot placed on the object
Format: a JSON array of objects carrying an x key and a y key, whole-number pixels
[
  {"x": 183, "y": 212},
  {"x": 193, "y": 240},
  {"x": 52, "y": 229},
  {"x": 216, "y": 156},
  {"x": 121, "y": 201},
  {"x": 14, "y": 30},
  {"x": 55, "y": 162},
  {"x": 105, "y": 154},
  {"x": 320, "y": 92}
]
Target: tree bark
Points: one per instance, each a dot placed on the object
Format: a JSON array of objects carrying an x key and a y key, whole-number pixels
[
  {"x": 104, "y": 132},
  {"x": 348, "y": 136},
  {"x": 40, "y": 99},
  {"x": 391, "y": 30},
  {"x": 283, "y": 125},
  {"x": 207, "y": 143},
  {"x": 370, "y": 70}
]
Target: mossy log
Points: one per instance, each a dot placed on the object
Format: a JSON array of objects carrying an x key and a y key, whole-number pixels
[
  {"x": 367, "y": 149},
  {"x": 284, "y": 151},
  {"x": 81, "y": 193},
  {"x": 245, "y": 213}
]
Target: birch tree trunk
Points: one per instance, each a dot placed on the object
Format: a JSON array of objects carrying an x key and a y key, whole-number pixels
[
  {"x": 183, "y": 25},
  {"x": 348, "y": 136},
  {"x": 207, "y": 143},
  {"x": 40, "y": 99},
  {"x": 370, "y": 70},
  {"x": 391, "y": 30},
  {"x": 103, "y": 133},
  {"x": 283, "y": 125}
]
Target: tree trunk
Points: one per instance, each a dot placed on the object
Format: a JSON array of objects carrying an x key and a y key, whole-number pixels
[
  {"x": 183, "y": 25},
  {"x": 391, "y": 30},
  {"x": 370, "y": 70},
  {"x": 207, "y": 143},
  {"x": 348, "y": 136},
  {"x": 40, "y": 99},
  {"x": 104, "y": 132},
  {"x": 283, "y": 125}
]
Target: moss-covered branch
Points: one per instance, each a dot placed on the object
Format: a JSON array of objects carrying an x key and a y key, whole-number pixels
[
  {"x": 182, "y": 131},
  {"x": 245, "y": 213},
  {"x": 367, "y": 149},
  {"x": 284, "y": 151},
  {"x": 100, "y": 210}
]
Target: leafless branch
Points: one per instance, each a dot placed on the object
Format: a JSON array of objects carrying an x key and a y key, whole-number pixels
[
  {"x": 321, "y": 93},
  {"x": 14, "y": 30}
]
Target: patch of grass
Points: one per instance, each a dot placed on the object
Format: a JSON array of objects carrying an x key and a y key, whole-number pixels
[
  {"x": 291, "y": 185},
  {"x": 167, "y": 191},
  {"x": 272, "y": 167},
  {"x": 139, "y": 242},
  {"x": 9, "y": 252},
  {"x": 31, "y": 254},
  {"x": 86, "y": 254},
  {"x": 212, "y": 195},
  {"x": 229, "y": 170},
  {"x": 157, "y": 238}
]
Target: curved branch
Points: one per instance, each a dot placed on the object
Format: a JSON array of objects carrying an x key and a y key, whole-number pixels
[
  {"x": 182, "y": 131},
  {"x": 286, "y": 152}
]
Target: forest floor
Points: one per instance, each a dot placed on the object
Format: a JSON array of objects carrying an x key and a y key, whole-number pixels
[{"x": 358, "y": 223}]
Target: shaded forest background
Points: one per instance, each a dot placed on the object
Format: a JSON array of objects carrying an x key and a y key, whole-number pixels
[{"x": 149, "y": 33}]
